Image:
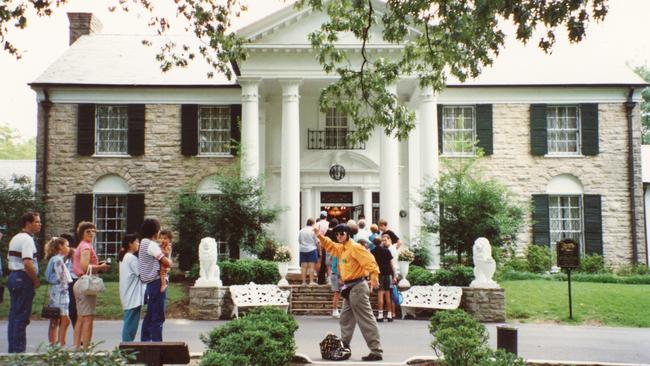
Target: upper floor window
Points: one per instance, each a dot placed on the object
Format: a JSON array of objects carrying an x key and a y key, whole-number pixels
[
  {"x": 214, "y": 130},
  {"x": 111, "y": 130},
  {"x": 336, "y": 129},
  {"x": 458, "y": 130},
  {"x": 563, "y": 125}
]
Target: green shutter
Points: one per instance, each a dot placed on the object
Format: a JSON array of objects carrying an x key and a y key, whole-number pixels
[
  {"x": 538, "y": 130},
  {"x": 484, "y": 128},
  {"x": 136, "y": 129},
  {"x": 593, "y": 224},
  {"x": 189, "y": 129},
  {"x": 439, "y": 111},
  {"x": 589, "y": 128},
  {"x": 134, "y": 212},
  {"x": 541, "y": 234},
  {"x": 235, "y": 133},
  {"x": 85, "y": 129},
  {"x": 83, "y": 210}
]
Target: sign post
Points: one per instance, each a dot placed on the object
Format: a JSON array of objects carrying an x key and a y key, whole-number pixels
[{"x": 568, "y": 258}]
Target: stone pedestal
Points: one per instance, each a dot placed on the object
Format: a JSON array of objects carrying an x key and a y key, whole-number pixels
[
  {"x": 210, "y": 303},
  {"x": 485, "y": 304}
]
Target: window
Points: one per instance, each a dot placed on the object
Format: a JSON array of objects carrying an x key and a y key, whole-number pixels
[
  {"x": 565, "y": 219},
  {"x": 458, "y": 130},
  {"x": 110, "y": 219},
  {"x": 336, "y": 129},
  {"x": 563, "y": 123},
  {"x": 112, "y": 130},
  {"x": 214, "y": 130}
]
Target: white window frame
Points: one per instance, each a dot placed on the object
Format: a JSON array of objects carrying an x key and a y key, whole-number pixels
[
  {"x": 339, "y": 129},
  {"x": 566, "y": 224},
  {"x": 207, "y": 147},
  {"x": 101, "y": 223},
  {"x": 557, "y": 125},
  {"x": 112, "y": 130},
  {"x": 450, "y": 145}
]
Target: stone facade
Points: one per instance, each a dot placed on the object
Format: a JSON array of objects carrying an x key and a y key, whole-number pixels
[
  {"x": 605, "y": 174},
  {"x": 160, "y": 173},
  {"x": 210, "y": 303},
  {"x": 485, "y": 304}
]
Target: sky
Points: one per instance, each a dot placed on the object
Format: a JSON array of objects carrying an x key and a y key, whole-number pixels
[{"x": 621, "y": 37}]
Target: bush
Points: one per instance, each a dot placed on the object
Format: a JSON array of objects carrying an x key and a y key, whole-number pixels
[
  {"x": 518, "y": 264},
  {"x": 632, "y": 270},
  {"x": 539, "y": 258},
  {"x": 592, "y": 263},
  {"x": 419, "y": 276},
  {"x": 265, "y": 336},
  {"x": 57, "y": 355},
  {"x": 243, "y": 271},
  {"x": 462, "y": 340},
  {"x": 451, "y": 260},
  {"x": 268, "y": 251},
  {"x": 457, "y": 275},
  {"x": 422, "y": 252}
]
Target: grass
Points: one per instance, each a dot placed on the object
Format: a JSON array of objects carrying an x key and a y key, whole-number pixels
[
  {"x": 108, "y": 302},
  {"x": 593, "y": 303}
]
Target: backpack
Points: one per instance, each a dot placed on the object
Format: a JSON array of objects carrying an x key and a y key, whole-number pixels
[{"x": 332, "y": 348}]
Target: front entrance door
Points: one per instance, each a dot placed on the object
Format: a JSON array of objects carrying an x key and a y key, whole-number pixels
[{"x": 338, "y": 205}]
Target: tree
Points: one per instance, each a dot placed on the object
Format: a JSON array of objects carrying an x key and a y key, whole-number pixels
[
  {"x": 238, "y": 214},
  {"x": 461, "y": 207},
  {"x": 10, "y": 150},
  {"x": 644, "y": 72},
  {"x": 436, "y": 37}
]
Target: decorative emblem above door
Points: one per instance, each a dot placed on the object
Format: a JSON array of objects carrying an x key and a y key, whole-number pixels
[{"x": 337, "y": 172}]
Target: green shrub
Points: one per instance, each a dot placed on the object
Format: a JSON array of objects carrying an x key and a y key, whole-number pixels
[
  {"x": 265, "y": 336},
  {"x": 516, "y": 264},
  {"x": 462, "y": 341},
  {"x": 456, "y": 275},
  {"x": 268, "y": 251},
  {"x": 419, "y": 276},
  {"x": 57, "y": 355},
  {"x": 632, "y": 270},
  {"x": 211, "y": 358},
  {"x": 592, "y": 263},
  {"x": 451, "y": 260},
  {"x": 243, "y": 271},
  {"x": 539, "y": 258},
  {"x": 195, "y": 272}
]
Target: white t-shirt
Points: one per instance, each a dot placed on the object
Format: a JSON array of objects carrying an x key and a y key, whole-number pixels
[
  {"x": 24, "y": 244},
  {"x": 131, "y": 288},
  {"x": 323, "y": 225},
  {"x": 393, "y": 251},
  {"x": 307, "y": 240}
]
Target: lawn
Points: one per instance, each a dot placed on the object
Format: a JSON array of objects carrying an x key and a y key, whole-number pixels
[
  {"x": 593, "y": 303},
  {"x": 108, "y": 302}
]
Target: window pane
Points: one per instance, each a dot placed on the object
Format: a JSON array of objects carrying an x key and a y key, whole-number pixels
[
  {"x": 563, "y": 129},
  {"x": 336, "y": 130},
  {"x": 214, "y": 130},
  {"x": 110, "y": 219},
  {"x": 565, "y": 215},
  {"x": 111, "y": 124},
  {"x": 458, "y": 130}
]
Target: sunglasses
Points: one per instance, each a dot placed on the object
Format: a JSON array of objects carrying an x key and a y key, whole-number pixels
[{"x": 337, "y": 234}]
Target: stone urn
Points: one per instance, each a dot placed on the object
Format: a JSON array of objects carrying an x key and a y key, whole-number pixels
[
  {"x": 404, "y": 271},
  {"x": 283, "y": 268}
]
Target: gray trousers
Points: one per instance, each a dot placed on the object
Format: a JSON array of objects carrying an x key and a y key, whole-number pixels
[{"x": 357, "y": 310}]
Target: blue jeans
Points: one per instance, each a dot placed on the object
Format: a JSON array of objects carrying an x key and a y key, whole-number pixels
[
  {"x": 21, "y": 291},
  {"x": 131, "y": 321},
  {"x": 152, "y": 325}
]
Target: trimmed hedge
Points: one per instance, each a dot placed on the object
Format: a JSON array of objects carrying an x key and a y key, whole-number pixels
[
  {"x": 577, "y": 277},
  {"x": 265, "y": 336},
  {"x": 456, "y": 275},
  {"x": 419, "y": 276},
  {"x": 244, "y": 271}
]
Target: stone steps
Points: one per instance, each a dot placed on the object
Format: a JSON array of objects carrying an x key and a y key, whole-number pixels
[{"x": 316, "y": 300}]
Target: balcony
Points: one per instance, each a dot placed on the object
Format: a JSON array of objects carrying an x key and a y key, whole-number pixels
[{"x": 334, "y": 139}]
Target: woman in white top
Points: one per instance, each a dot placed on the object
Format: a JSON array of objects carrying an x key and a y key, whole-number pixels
[{"x": 131, "y": 288}]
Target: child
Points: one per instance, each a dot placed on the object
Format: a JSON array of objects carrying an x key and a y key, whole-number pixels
[
  {"x": 58, "y": 275},
  {"x": 131, "y": 288},
  {"x": 386, "y": 271},
  {"x": 166, "y": 237}
]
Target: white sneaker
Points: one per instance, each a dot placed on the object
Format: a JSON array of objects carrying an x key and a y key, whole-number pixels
[{"x": 336, "y": 314}]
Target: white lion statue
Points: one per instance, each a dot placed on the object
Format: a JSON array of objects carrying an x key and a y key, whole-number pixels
[
  {"x": 209, "y": 275},
  {"x": 484, "y": 265}
]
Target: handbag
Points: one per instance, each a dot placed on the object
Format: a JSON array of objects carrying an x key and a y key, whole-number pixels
[
  {"x": 49, "y": 312},
  {"x": 89, "y": 284},
  {"x": 396, "y": 295}
]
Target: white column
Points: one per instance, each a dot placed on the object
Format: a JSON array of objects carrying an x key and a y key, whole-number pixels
[
  {"x": 430, "y": 156},
  {"x": 307, "y": 206},
  {"x": 290, "y": 168},
  {"x": 250, "y": 139},
  {"x": 262, "y": 155},
  {"x": 367, "y": 206},
  {"x": 389, "y": 176},
  {"x": 414, "y": 180}
]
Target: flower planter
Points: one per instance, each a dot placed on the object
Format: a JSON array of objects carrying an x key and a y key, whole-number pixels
[
  {"x": 404, "y": 271},
  {"x": 283, "y": 268}
]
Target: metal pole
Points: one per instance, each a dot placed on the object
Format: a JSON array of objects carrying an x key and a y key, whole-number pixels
[{"x": 570, "y": 303}]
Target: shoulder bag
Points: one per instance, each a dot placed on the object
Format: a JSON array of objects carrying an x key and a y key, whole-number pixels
[
  {"x": 89, "y": 284},
  {"x": 49, "y": 312}
]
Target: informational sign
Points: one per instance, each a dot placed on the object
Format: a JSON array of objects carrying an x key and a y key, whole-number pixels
[{"x": 568, "y": 254}]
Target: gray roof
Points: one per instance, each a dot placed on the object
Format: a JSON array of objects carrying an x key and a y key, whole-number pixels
[{"x": 110, "y": 59}]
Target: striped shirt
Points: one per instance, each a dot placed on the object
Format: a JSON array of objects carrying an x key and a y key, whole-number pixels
[
  {"x": 22, "y": 243},
  {"x": 149, "y": 257}
]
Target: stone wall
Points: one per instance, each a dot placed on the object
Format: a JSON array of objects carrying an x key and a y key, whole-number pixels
[
  {"x": 605, "y": 174},
  {"x": 160, "y": 173},
  {"x": 210, "y": 303},
  {"x": 486, "y": 305}
]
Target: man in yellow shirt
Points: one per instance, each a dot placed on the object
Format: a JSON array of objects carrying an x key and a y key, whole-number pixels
[{"x": 355, "y": 263}]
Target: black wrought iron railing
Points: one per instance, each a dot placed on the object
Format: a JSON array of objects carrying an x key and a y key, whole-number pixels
[{"x": 332, "y": 140}]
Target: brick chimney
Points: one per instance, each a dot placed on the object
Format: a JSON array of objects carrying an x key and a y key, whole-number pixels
[{"x": 82, "y": 24}]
